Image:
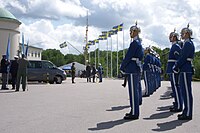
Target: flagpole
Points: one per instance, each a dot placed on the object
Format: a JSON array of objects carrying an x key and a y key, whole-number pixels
[
  {"x": 98, "y": 53},
  {"x": 117, "y": 54},
  {"x": 123, "y": 44},
  {"x": 111, "y": 59},
  {"x": 95, "y": 56},
  {"x": 89, "y": 55},
  {"x": 107, "y": 59},
  {"x": 8, "y": 56}
]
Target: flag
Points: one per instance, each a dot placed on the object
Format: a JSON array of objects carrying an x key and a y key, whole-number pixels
[
  {"x": 8, "y": 49},
  {"x": 104, "y": 33},
  {"x": 118, "y": 27},
  {"x": 26, "y": 52},
  {"x": 62, "y": 45},
  {"x": 91, "y": 42},
  {"x": 111, "y": 32},
  {"x": 96, "y": 40},
  {"x": 100, "y": 37},
  {"x": 22, "y": 43}
]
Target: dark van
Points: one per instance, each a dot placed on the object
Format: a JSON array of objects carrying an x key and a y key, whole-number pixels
[{"x": 46, "y": 71}]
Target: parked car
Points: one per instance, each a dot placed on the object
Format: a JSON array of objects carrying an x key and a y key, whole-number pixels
[{"x": 46, "y": 71}]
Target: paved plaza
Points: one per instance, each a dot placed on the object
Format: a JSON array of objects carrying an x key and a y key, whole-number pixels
[{"x": 90, "y": 108}]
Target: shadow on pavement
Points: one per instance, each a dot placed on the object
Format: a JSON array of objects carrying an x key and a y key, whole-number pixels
[
  {"x": 118, "y": 108},
  {"x": 163, "y": 108},
  {"x": 159, "y": 115},
  {"x": 108, "y": 125},
  {"x": 169, "y": 125}
]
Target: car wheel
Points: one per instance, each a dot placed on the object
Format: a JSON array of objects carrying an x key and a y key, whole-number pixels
[{"x": 58, "y": 80}]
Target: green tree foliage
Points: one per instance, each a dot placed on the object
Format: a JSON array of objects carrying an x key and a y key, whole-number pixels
[
  {"x": 196, "y": 64},
  {"x": 53, "y": 55}
]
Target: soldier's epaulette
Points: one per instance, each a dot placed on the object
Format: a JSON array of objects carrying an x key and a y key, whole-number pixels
[{"x": 137, "y": 41}]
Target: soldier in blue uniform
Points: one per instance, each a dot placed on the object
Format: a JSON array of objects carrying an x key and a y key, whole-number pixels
[
  {"x": 131, "y": 66},
  {"x": 174, "y": 77},
  {"x": 184, "y": 65},
  {"x": 147, "y": 72}
]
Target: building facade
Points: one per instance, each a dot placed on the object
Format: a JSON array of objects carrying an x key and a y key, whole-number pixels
[
  {"x": 34, "y": 53},
  {"x": 9, "y": 26}
]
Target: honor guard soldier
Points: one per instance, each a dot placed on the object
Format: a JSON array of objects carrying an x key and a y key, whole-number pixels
[
  {"x": 131, "y": 66},
  {"x": 174, "y": 77},
  {"x": 184, "y": 66},
  {"x": 147, "y": 71}
]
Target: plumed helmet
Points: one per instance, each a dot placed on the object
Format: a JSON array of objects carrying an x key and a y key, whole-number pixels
[
  {"x": 174, "y": 34},
  {"x": 135, "y": 28},
  {"x": 147, "y": 49},
  {"x": 186, "y": 30}
]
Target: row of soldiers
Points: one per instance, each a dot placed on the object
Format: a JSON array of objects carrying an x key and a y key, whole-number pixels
[
  {"x": 179, "y": 68},
  {"x": 152, "y": 71}
]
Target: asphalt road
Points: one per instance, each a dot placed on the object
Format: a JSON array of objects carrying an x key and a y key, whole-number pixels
[{"x": 90, "y": 108}]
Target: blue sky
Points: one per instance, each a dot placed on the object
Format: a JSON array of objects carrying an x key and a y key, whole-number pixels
[{"x": 47, "y": 23}]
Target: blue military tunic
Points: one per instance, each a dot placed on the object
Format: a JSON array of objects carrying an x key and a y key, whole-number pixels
[
  {"x": 173, "y": 57},
  {"x": 135, "y": 52},
  {"x": 187, "y": 55}
]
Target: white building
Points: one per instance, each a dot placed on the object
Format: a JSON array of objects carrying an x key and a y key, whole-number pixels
[
  {"x": 34, "y": 53},
  {"x": 9, "y": 25}
]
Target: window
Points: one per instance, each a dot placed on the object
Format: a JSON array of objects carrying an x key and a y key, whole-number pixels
[
  {"x": 35, "y": 54},
  {"x": 48, "y": 65},
  {"x": 35, "y": 64},
  {"x": 38, "y": 54}
]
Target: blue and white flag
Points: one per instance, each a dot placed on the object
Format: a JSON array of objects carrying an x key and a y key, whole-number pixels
[
  {"x": 22, "y": 43},
  {"x": 26, "y": 52},
  {"x": 8, "y": 49}
]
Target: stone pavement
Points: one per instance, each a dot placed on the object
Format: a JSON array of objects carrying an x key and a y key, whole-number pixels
[{"x": 90, "y": 108}]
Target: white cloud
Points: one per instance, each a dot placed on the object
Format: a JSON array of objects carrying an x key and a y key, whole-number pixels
[
  {"x": 155, "y": 18},
  {"x": 43, "y": 34},
  {"x": 48, "y": 9}
]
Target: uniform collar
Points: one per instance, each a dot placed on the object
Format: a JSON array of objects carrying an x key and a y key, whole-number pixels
[
  {"x": 187, "y": 40},
  {"x": 135, "y": 38},
  {"x": 174, "y": 42}
]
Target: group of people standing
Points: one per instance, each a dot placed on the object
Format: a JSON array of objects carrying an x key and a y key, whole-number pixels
[
  {"x": 18, "y": 70},
  {"x": 179, "y": 68},
  {"x": 90, "y": 72}
]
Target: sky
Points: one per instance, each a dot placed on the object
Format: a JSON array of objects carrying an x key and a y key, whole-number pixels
[{"x": 48, "y": 23}]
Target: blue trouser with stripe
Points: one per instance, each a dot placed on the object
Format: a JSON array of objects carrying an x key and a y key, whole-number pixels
[
  {"x": 140, "y": 91},
  {"x": 178, "y": 101},
  {"x": 186, "y": 89},
  {"x": 147, "y": 78},
  {"x": 133, "y": 87}
]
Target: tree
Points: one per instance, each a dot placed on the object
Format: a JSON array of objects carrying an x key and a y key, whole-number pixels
[{"x": 53, "y": 55}]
